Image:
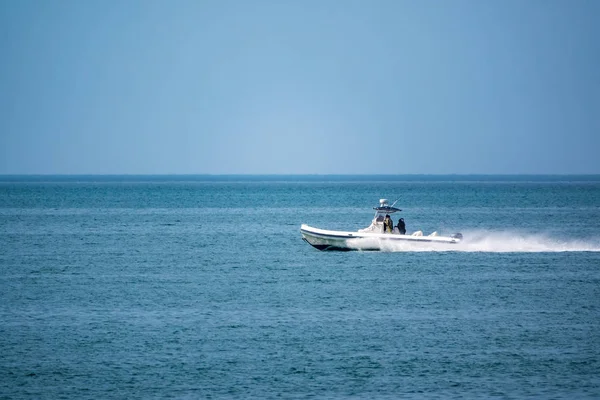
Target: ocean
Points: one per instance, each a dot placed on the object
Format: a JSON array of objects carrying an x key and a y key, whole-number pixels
[{"x": 200, "y": 287}]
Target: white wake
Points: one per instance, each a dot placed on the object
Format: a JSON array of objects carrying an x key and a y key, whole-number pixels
[{"x": 497, "y": 242}]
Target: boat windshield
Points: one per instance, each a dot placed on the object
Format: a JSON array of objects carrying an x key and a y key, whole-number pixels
[{"x": 381, "y": 212}]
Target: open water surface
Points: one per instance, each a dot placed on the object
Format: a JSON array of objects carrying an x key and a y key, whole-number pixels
[{"x": 201, "y": 287}]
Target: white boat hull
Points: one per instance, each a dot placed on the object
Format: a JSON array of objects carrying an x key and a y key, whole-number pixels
[{"x": 344, "y": 241}]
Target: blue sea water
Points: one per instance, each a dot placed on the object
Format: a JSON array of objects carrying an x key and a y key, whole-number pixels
[{"x": 201, "y": 287}]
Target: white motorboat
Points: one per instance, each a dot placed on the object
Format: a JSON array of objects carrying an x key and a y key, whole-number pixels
[{"x": 372, "y": 237}]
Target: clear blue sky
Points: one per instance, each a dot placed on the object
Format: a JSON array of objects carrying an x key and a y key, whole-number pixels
[{"x": 300, "y": 87}]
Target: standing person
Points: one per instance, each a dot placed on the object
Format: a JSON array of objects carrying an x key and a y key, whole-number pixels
[
  {"x": 401, "y": 226},
  {"x": 388, "y": 224}
]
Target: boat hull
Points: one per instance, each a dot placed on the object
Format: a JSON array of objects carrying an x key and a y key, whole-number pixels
[{"x": 346, "y": 241}]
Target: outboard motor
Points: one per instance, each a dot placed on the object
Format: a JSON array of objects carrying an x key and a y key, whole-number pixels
[{"x": 457, "y": 236}]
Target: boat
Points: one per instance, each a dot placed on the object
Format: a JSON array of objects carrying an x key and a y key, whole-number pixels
[{"x": 371, "y": 237}]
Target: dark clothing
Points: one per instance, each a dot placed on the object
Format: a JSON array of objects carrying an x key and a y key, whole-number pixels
[{"x": 401, "y": 226}]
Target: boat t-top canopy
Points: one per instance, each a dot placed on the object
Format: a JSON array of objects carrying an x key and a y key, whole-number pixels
[
  {"x": 384, "y": 208},
  {"x": 387, "y": 209}
]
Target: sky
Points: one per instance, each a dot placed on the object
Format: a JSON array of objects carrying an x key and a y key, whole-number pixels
[{"x": 299, "y": 87}]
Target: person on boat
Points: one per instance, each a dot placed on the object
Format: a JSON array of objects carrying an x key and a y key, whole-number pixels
[
  {"x": 388, "y": 224},
  {"x": 401, "y": 226}
]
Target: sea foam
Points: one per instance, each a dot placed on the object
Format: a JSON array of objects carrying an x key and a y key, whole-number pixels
[{"x": 493, "y": 242}]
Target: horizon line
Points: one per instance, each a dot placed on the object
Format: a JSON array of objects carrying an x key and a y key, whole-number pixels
[{"x": 297, "y": 174}]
